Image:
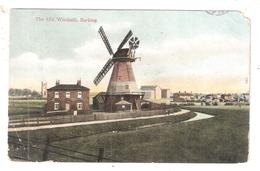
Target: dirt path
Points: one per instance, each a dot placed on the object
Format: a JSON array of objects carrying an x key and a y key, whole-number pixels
[
  {"x": 199, "y": 116},
  {"x": 183, "y": 111}
]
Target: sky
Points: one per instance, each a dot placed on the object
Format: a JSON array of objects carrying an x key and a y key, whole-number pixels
[{"x": 181, "y": 50}]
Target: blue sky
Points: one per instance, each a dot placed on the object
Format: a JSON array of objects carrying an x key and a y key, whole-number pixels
[{"x": 181, "y": 50}]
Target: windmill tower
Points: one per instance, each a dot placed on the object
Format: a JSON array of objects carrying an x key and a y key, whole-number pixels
[{"x": 122, "y": 87}]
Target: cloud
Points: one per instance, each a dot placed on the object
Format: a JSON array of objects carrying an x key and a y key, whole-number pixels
[
  {"x": 115, "y": 32},
  {"x": 94, "y": 50},
  {"x": 114, "y": 27},
  {"x": 199, "y": 55},
  {"x": 28, "y": 70},
  {"x": 201, "y": 47},
  {"x": 92, "y": 55}
]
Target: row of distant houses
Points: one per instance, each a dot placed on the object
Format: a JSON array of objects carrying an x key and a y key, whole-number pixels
[
  {"x": 155, "y": 92},
  {"x": 210, "y": 98}
]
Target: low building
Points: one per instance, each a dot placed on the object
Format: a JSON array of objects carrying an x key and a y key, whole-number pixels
[
  {"x": 183, "y": 97},
  {"x": 246, "y": 97},
  {"x": 151, "y": 92},
  {"x": 71, "y": 98},
  {"x": 99, "y": 101},
  {"x": 166, "y": 93},
  {"x": 123, "y": 105},
  {"x": 227, "y": 97}
]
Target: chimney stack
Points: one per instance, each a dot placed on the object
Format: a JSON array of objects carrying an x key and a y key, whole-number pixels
[
  {"x": 57, "y": 82},
  {"x": 79, "y": 82}
]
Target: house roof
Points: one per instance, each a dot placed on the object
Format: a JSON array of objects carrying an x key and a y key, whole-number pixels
[
  {"x": 151, "y": 87},
  {"x": 166, "y": 89},
  {"x": 100, "y": 94},
  {"x": 183, "y": 94},
  {"x": 123, "y": 102},
  {"x": 99, "y": 97},
  {"x": 68, "y": 87}
]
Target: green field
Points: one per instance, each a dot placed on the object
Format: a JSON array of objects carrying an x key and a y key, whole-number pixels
[
  {"x": 26, "y": 107},
  {"x": 223, "y": 138}
]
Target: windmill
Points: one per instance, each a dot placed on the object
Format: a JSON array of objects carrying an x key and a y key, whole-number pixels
[{"x": 122, "y": 85}]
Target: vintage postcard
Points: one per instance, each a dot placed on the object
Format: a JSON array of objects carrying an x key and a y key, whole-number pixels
[{"x": 129, "y": 86}]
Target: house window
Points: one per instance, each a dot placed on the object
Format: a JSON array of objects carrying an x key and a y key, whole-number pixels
[
  {"x": 127, "y": 87},
  {"x": 56, "y": 94},
  {"x": 79, "y": 94},
  {"x": 79, "y": 106},
  {"x": 56, "y": 106},
  {"x": 67, "y": 94}
]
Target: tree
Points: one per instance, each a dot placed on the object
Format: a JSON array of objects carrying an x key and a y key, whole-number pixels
[
  {"x": 23, "y": 92},
  {"x": 35, "y": 94}
]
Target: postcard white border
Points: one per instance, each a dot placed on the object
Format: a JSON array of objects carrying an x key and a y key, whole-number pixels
[{"x": 250, "y": 10}]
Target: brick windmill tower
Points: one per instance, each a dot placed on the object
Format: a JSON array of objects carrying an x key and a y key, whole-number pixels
[{"x": 122, "y": 91}]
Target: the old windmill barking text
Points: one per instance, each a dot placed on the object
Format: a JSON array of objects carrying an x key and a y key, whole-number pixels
[{"x": 122, "y": 90}]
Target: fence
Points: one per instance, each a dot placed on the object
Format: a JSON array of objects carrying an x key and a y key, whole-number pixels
[
  {"x": 34, "y": 150},
  {"x": 41, "y": 145},
  {"x": 49, "y": 120},
  {"x": 37, "y": 121},
  {"x": 134, "y": 114}
]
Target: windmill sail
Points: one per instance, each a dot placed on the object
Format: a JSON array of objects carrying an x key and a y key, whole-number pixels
[
  {"x": 103, "y": 71},
  {"x": 110, "y": 62},
  {"x": 127, "y": 37},
  {"x": 105, "y": 40}
]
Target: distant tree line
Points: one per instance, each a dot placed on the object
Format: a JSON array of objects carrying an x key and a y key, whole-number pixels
[{"x": 23, "y": 92}]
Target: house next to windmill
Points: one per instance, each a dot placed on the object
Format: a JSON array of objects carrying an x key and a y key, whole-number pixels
[
  {"x": 151, "y": 92},
  {"x": 72, "y": 98}
]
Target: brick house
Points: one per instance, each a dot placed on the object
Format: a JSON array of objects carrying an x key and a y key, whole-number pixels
[{"x": 72, "y": 98}]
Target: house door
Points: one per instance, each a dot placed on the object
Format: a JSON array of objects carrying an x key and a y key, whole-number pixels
[{"x": 67, "y": 107}]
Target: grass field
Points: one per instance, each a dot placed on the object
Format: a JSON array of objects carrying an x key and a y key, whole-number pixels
[
  {"x": 25, "y": 107},
  {"x": 38, "y": 137},
  {"x": 223, "y": 138}
]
